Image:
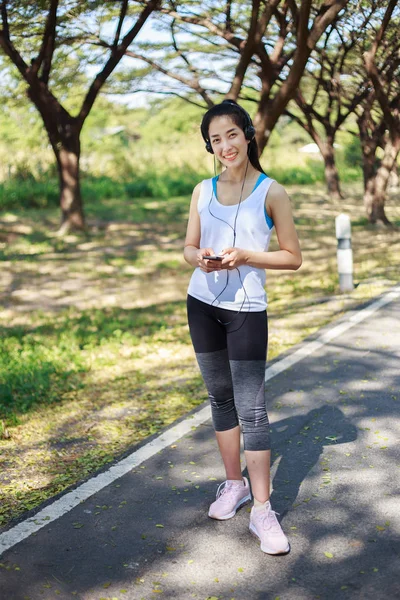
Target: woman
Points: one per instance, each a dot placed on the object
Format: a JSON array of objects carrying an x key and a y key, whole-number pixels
[{"x": 230, "y": 224}]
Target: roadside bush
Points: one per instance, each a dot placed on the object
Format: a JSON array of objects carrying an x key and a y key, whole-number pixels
[
  {"x": 352, "y": 153},
  {"x": 16, "y": 194},
  {"x": 300, "y": 175},
  {"x": 31, "y": 194},
  {"x": 101, "y": 188},
  {"x": 164, "y": 184}
]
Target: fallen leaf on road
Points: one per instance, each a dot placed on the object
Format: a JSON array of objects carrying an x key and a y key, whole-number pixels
[{"x": 356, "y": 543}]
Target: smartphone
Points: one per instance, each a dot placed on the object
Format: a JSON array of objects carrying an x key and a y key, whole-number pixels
[{"x": 213, "y": 257}]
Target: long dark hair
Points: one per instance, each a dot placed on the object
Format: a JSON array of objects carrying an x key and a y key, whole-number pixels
[{"x": 241, "y": 118}]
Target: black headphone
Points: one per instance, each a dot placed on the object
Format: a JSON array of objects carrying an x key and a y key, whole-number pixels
[{"x": 249, "y": 130}]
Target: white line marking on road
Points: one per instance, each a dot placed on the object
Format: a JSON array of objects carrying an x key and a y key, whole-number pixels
[
  {"x": 60, "y": 507},
  {"x": 310, "y": 347},
  {"x": 66, "y": 503}
]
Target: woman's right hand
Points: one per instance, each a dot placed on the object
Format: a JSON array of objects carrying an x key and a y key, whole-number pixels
[{"x": 207, "y": 266}]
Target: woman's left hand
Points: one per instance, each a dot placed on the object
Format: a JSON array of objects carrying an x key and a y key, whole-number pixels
[{"x": 233, "y": 258}]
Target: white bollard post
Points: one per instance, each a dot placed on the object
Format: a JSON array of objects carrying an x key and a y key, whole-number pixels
[{"x": 344, "y": 253}]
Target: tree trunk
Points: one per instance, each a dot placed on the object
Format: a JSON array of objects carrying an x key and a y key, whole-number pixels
[
  {"x": 331, "y": 172},
  {"x": 72, "y": 216},
  {"x": 64, "y": 135},
  {"x": 332, "y": 179},
  {"x": 260, "y": 119},
  {"x": 375, "y": 191},
  {"x": 371, "y": 138},
  {"x": 369, "y": 174},
  {"x": 326, "y": 147},
  {"x": 264, "y": 126},
  {"x": 327, "y": 150},
  {"x": 394, "y": 179},
  {"x": 370, "y": 162},
  {"x": 374, "y": 202},
  {"x": 369, "y": 143},
  {"x": 65, "y": 141}
]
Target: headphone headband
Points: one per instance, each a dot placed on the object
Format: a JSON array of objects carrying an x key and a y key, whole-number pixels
[{"x": 236, "y": 105}]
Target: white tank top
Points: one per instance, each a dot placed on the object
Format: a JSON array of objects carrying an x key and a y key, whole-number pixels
[{"x": 244, "y": 291}]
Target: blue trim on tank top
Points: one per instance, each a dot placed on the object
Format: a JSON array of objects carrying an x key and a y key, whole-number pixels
[{"x": 261, "y": 178}]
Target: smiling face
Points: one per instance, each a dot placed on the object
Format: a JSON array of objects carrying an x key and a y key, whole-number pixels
[{"x": 228, "y": 141}]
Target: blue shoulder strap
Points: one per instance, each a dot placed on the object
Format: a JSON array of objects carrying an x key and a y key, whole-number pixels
[
  {"x": 260, "y": 179},
  {"x": 270, "y": 222}
]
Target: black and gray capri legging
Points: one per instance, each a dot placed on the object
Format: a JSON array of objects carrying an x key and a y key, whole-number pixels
[{"x": 231, "y": 352}]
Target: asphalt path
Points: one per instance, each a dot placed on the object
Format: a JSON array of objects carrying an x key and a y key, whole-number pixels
[{"x": 336, "y": 471}]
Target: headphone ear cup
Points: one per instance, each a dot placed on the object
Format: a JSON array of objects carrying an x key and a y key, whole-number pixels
[
  {"x": 250, "y": 132},
  {"x": 209, "y": 147}
]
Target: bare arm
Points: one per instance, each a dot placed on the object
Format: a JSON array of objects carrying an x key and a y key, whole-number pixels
[
  {"x": 192, "y": 252},
  {"x": 289, "y": 254}
]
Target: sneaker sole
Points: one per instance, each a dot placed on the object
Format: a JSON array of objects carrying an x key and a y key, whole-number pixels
[
  {"x": 233, "y": 513},
  {"x": 267, "y": 550}
]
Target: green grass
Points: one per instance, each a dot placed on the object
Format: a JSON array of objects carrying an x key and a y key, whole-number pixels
[{"x": 35, "y": 368}]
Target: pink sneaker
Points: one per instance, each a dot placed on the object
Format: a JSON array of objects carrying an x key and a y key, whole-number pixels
[
  {"x": 230, "y": 497},
  {"x": 265, "y": 526}
]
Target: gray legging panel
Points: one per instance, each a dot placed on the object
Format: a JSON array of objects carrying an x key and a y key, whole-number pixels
[{"x": 231, "y": 353}]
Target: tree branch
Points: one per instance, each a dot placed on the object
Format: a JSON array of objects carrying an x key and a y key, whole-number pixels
[
  {"x": 45, "y": 55},
  {"x": 327, "y": 14},
  {"x": 192, "y": 83},
  {"x": 167, "y": 93},
  {"x": 115, "y": 57},
  {"x": 302, "y": 30},
  {"x": 306, "y": 41},
  {"x": 8, "y": 46},
  {"x": 369, "y": 60},
  {"x": 253, "y": 37},
  {"x": 306, "y": 125},
  {"x": 266, "y": 16},
  {"x": 208, "y": 24},
  {"x": 268, "y": 68},
  {"x": 228, "y": 16},
  {"x": 382, "y": 29},
  {"x": 295, "y": 14},
  {"x": 351, "y": 107},
  {"x": 283, "y": 30},
  {"x": 179, "y": 52},
  {"x": 124, "y": 8},
  {"x": 4, "y": 18}
]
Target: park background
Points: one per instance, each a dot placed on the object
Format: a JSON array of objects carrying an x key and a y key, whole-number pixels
[{"x": 95, "y": 353}]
